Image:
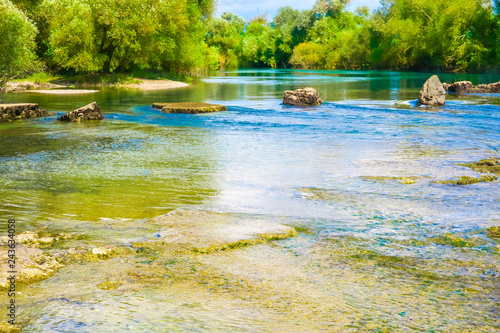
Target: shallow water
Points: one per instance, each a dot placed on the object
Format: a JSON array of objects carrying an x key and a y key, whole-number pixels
[{"x": 372, "y": 253}]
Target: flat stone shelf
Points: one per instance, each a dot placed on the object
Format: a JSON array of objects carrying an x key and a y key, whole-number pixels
[
  {"x": 14, "y": 111},
  {"x": 188, "y": 107}
]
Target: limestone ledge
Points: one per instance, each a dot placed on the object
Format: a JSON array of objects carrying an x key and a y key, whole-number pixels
[{"x": 15, "y": 111}]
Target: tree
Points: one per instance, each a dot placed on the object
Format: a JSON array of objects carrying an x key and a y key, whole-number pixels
[
  {"x": 439, "y": 34},
  {"x": 110, "y": 35},
  {"x": 17, "y": 43},
  {"x": 308, "y": 55},
  {"x": 224, "y": 35},
  {"x": 329, "y": 7},
  {"x": 258, "y": 45},
  {"x": 291, "y": 29}
]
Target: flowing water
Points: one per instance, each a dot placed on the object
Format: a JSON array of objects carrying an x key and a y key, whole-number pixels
[{"x": 379, "y": 246}]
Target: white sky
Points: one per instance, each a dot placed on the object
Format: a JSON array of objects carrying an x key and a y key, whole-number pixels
[{"x": 249, "y": 9}]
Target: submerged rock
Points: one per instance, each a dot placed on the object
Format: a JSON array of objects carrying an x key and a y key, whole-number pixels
[
  {"x": 466, "y": 180},
  {"x": 494, "y": 232},
  {"x": 432, "y": 93},
  {"x": 16, "y": 111},
  {"x": 302, "y": 97},
  {"x": 189, "y": 107},
  {"x": 463, "y": 87},
  {"x": 110, "y": 285},
  {"x": 206, "y": 232},
  {"x": 401, "y": 180},
  {"x": 38, "y": 239},
  {"x": 82, "y": 255},
  {"x": 8, "y": 328},
  {"x": 489, "y": 165},
  {"x": 31, "y": 265},
  {"x": 87, "y": 112}
]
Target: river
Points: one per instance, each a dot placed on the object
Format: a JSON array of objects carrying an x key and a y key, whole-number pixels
[{"x": 379, "y": 246}]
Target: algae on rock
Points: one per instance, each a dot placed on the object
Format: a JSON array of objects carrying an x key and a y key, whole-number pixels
[
  {"x": 466, "y": 180},
  {"x": 489, "y": 165},
  {"x": 206, "y": 232},
  {"x": 188, "y": 107},
  {"x": 110, "y": 285},
  {"x": 32, "y": 265},
  {"x": 494, "y": 232}
]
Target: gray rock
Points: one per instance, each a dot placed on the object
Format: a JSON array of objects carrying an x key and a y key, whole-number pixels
[
  {"x": 87, "y": 112},
  {"x": 432, "y": 93},
  {"x": 464, "y": 87},
  {"x": 15, "y": 111},
  {"x": 302, "y": 97},
  {"x": 487, "y": 88},
  {"x": 460, "y": 87}
]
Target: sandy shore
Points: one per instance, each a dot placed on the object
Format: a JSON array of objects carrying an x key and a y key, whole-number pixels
[
  {"x": 154, "y": 84},
  {"x": 49, "y": 88},
  {"x": 29, "y": 85},
  {"x": 64, "y": 91}
]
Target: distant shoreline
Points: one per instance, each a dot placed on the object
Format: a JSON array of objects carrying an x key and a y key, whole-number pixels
[{"x": 142, "y": 84}]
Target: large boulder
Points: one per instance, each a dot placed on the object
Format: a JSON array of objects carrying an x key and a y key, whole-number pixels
[
  {"x": 87, "y": 112},
  {"x": 302, "y": 97},
  {"x": 432, "y": 93}
]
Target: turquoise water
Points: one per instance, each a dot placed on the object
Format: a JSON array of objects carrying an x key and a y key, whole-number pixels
[{"x": 372, "y": 253}]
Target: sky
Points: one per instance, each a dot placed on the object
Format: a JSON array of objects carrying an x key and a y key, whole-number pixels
[{"x": 250, "y": 8}]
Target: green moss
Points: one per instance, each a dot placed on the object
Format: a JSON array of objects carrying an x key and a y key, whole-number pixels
[
  {"x": 109, "y": 285},
  {"x": 402, "y": 180},
  {"x": 305, "y": 230},
  {"x": 261, "y": 238},
  {"x": 189, "y": 107},
  {"x": 457, "y": 241},
  {"x": 466, "y": 180},
  {"x": 489, "y": 165},
  {"x": 494, "y": 232},
  {"x": 85, "y": 255}
]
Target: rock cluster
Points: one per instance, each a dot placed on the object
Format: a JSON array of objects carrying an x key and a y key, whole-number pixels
[
  {"x": 15, "y": 111},
  {"x": 87, "y": 112},
  {"x": 302, "y": 97},
  {"x": 464, "y": 87},
  {"x": 189, "y": 107},
  {"x": 432, "y": 93}
]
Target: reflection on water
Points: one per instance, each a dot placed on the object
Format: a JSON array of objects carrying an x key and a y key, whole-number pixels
[{"x": 380, "y": 246}]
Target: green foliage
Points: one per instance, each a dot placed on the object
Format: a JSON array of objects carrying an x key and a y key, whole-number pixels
[
  {"x": 402, "y": 34},
  {"x": 224, "y": 35},
  {"x": 17, "y": 42},
  {"x": 258, "y": 46},
  {"x": 109, "y": 35},
  {"x": 420, "y": 34},
  {"x": 180, "y": 36},
  {"x": 308, "y": 55}
]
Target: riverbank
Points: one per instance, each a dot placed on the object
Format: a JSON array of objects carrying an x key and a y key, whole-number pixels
[{"x": 135, "y": 80}]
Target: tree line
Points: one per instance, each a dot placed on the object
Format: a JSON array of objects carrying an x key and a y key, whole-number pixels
[{"x": 103, "y": 36}]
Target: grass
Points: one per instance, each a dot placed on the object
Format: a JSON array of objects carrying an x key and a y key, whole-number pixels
[{"x": 40, "y": 77}]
